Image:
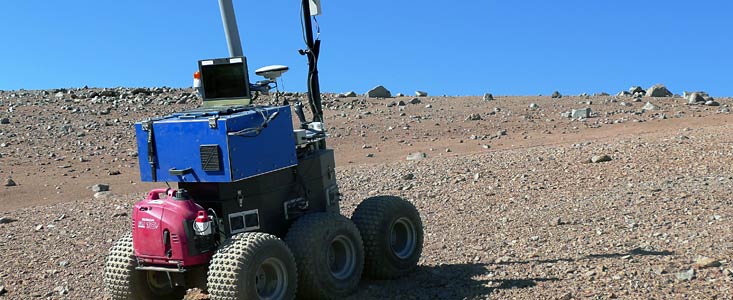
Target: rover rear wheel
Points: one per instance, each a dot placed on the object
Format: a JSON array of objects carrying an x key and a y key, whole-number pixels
[
  {"x": 252, "y": 265},
  {"x": 329, "y": 253},
  {"x": 393, "y": 236},
  {"x": 123, "y": 282}
]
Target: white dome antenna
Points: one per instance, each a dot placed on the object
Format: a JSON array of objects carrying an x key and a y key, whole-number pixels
[{"x": 272, "y": 72}]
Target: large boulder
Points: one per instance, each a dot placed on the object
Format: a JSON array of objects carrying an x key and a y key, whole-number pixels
[
  {"x": 658, "y": 90},
  {"x": 636, "y": 89},
  {"x": 421, "y": 94},
  {"x": 580, "y": 113},
  {"x": 379, "y": 92}
]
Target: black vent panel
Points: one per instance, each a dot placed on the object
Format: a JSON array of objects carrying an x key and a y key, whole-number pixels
[{"x": 210, "y": 158}]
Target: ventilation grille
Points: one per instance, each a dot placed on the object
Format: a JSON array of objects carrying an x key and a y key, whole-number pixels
[{"x": 210, "y": 158}]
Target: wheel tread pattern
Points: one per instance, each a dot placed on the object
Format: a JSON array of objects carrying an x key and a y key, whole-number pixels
[
  {"x": 308, "y": 231},
  {"x": 368, "y": 217},
  {"x": 118, "y": 269},
  {"x": 229, "y": 261}
]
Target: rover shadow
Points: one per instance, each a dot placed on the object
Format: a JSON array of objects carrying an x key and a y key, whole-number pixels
[
  {"x": 448, "y": 281},
  {"x": 631, "y": 253}
]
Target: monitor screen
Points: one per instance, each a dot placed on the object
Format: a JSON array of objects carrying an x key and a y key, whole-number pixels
[{"x": 221, "y": 81}]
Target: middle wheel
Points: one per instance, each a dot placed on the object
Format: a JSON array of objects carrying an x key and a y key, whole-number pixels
[{"x": 329, "y": 254}]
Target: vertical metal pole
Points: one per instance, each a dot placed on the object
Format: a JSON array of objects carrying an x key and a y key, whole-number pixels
[
  {"x": 314, "y": 89},
  {"x": 230, "y": 28}
]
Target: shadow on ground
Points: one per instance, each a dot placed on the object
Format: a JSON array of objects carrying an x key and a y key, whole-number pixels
[
  {"x": 458, "y": 281},
  {"x": 634, "y": 252}
]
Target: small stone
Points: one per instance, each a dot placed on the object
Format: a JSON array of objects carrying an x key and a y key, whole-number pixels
[
  {"x": 101, "y": 187},
  {"x": 706, "y": 262},
  {"x": 119, "y": 214},
  {"x": 581, "y": 113},
  {"x": 649, "y": 106},
  {"x": 711, "y": 103},
  {"x": 113, "y": 172},
  {"x": 38, "y": 227},
  {"x": 415, "y": 101},
  {"x": 534, "y": 106},
  {"x": 408, "y": 176},
  {"x": 473, "y": 117},
  {"x": 4, "y": 121},
  {"x": 556, "y": 222},
  {"x": 429, "y": 106},
  {"x": 421, "y": 94},
  {"x": 6, "y": 220},
  {"x": 63, "y": 263},
  {"x": 10, "y": 182},
  {"x": 556, "y": 95},
  {"x": 349, "y": 94},
  {"x": 416, "y": 156},
  {"x": 488, "y": 97},
  {"x": 600, "y": 158},
  {"x": 686, "y": 275}
]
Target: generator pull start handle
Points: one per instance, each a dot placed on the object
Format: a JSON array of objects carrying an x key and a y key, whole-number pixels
[{"x": 176, "y": 172}]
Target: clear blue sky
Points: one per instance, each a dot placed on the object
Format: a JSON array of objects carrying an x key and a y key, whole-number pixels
[{"x": 443, "y": 47}]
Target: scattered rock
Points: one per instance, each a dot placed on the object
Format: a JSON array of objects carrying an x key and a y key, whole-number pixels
[
  {"x": 534, "y": 106},
  {"x": 706, "y": 262},
  {"x": 711, "y": 103},
  {"x": 10, "y": 182},
  {"x": 415, "y": 101},
  {"x": 636, "y": 90},
  {"x": 658, "y": 90},
  {"x": 696, "y": 97},
  {"x": 649, "y": 106},
  {"x": 6, "y": 220},
  {"x": 379, "y": 92},
  {"x": 488, "y": 97},
  {"x": 195, "y": 294},
  {"x": 686, "y": 275},
  {"x": 581, "y": 113},
  {"x": 113, "y": 172},
  {"x": 473, "y": 117},
  {"x": 4, "y": 121},
  {"x": 101, "y": 187},
  {"x": 349, "y": 94},
  {"x": 416, "y": 156},
  {"x": 421, "y": 94},
  {"x": 600, "y": 158},
  {"x": 556, "y": 95},
  {"x": 408, "y": 176}
]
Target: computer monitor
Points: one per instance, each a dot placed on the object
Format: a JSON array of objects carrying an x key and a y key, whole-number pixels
[{"x": 225, "y": 82}]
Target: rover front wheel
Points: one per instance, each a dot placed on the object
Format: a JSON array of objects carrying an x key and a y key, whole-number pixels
[
  {"x": 393, "y": 236},
  {"x": 329, "y": 253},
  {"x": 123, "y": 282},
  {"x": 252, "y": 265}
]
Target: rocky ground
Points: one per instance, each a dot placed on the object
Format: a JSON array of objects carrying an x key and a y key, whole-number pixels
[{"x": 513, "y": 207}]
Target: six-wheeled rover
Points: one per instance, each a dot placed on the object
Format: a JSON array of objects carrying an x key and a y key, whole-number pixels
[{"x": 255, "y": 214}]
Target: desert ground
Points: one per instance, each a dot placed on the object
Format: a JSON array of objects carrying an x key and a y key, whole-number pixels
[{"x": 517, "y": 200}]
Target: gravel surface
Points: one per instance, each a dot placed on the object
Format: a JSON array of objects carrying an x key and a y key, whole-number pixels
[{"x": 513, "y": 206}]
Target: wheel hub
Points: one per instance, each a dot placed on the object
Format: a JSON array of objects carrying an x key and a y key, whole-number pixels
[
  {"x": 403, "y": 238},
  {"x": 270, "y": 279},
  {"x": 341, "y": 260}
]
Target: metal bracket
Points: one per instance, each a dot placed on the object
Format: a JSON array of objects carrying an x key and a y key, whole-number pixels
[
  {"x": 147, "y": 125},
  {"x": 297, "y": 203},
  {"x": 212, "y": 122}
]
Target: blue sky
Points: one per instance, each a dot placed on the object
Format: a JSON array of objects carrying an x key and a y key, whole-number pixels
[{"x": 443, "y": 47}]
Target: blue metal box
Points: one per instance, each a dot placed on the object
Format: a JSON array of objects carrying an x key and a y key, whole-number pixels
[{"x": 216, "y": 146}]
